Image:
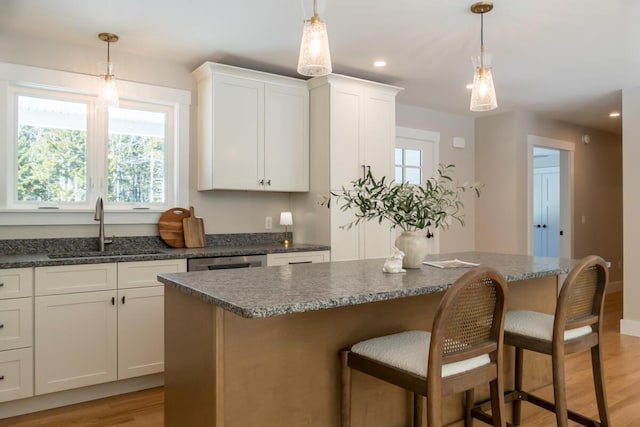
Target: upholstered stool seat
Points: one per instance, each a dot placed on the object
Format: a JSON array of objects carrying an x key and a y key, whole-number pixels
[
  {"x": 409, "y": 352},
  {"x": 462, "y": 351},
  {"x": 538, "y": 325}
]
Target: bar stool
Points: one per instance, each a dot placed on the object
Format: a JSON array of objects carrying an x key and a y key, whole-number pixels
[
  {"x": 576, "y": 326},
  {"x": 463, "y": 350}
]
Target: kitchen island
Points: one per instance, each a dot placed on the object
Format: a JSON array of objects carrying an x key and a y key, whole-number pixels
[{"x": 259, "y": 347}]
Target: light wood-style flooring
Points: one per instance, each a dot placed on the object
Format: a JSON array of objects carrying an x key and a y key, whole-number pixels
[{"x": 622, "y": 368}]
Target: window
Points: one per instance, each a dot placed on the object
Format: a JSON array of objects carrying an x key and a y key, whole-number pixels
[
  {"x": 60, "y": 152},
  {"x": 136, "y": 156},
  {"x": 408, "y": 165},
  {"x": 51, "y": 151}
]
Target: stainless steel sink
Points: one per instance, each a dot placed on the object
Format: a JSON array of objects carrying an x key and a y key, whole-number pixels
[{"x": 98, "y": 254}]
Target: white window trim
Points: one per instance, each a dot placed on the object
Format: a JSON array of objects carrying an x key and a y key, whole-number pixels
[{"x": 33, "y": 77}]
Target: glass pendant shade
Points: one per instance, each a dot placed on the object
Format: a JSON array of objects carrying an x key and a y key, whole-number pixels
[
  {"x": 315, "y": 57},
  {"x": 483, "y": 93},
  {"x": 108, "y": 95}
]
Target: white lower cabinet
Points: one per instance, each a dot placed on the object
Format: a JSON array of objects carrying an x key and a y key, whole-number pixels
[
  {"x": 86, "y": 338},
  {"x": 76, "y": 340},
  {"x": 140, "y": 331}
]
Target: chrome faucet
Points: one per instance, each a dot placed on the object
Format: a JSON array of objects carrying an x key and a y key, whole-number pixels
[{"x": 99, "y": 216}]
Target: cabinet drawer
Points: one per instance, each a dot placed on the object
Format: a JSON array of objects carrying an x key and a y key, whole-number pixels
[
  {"x": 144, "y": 273},
  {"x": 16, "y": 374},
  {"x": 297, "y": 258},
  {"x": 16, "y": 283},
  {"x": 16, "y": 323},
  {"x": 75, "y": 278}
]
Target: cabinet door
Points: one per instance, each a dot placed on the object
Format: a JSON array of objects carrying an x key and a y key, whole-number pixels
[
  {"x": 345, "y": 244},
  {"x": 345, "y": 128},
  {"x": 238, "y": 133},
  {"x": 75, "y": 340},
  {"x": 286, "y": 138},
  {"x": 378, "y": 132},
  {"x": 140, "y": 331}
]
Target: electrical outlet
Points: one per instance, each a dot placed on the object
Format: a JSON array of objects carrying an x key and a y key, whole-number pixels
[{"x": 268, "y": 223}]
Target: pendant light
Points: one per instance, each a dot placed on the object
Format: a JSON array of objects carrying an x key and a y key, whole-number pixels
[
  {"x": 108, "y": 94},
  {"x": 315, "y": 58},
  {"x": 483, "y": 93}
]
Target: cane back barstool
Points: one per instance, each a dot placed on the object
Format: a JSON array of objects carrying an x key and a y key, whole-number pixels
[
  {"x": 463, "y": 350},
  {"x": 576, "y": 326}
]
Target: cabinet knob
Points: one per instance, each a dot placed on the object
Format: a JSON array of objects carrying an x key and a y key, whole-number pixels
[
  {"x": 261, "y": 182},
  {"x": 1, "y": 377},
  {"x": 269, "y": 182},
  {"x": 113, "y": 300},
  {"x": 1, "y": 285},
  {"x": 123, "y": 299},
  {"x": 1, "y": 325}
]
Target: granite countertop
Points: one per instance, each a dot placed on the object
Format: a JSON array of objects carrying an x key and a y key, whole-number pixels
[
  {"x": 69, "y": 257},
  {"x": 273, "y": 291}
]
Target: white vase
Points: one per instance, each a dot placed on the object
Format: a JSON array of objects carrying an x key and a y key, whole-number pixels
[{"x": 414, "y": 246}]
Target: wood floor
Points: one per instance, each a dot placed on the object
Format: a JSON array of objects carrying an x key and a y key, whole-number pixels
[{"x": 622, "y": 368}]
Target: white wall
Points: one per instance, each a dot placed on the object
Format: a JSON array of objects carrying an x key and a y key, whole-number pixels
[
  {"x": 223, "y": 212},
  {"x": 456, "y": 238},
  {"x": 630, "y": 323}
]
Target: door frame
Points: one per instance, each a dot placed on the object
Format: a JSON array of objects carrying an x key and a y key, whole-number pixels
[
  {"x": 418, "y": 138},
  {"x": 567, "y": 149}
]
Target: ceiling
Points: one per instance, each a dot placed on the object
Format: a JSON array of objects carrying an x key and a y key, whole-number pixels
[{"x": 567, "y": 60}]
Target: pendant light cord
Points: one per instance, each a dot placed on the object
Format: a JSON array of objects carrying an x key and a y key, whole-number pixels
[{"x": 482, "y": 41}]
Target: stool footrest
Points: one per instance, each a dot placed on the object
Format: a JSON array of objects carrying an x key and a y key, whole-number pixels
[{"x": 479, "y": 409}]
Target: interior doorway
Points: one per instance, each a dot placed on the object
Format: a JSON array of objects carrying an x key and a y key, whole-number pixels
[{"x": 550, "y": 197}]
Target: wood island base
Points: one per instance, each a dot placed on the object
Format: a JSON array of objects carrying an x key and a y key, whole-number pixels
[{"x": 223, "y": 370}]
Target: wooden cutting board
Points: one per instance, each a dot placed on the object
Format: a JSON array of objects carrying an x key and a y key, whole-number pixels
[
  {"x": 170, "y": 227},
  {"x": 193, "y": 231}
]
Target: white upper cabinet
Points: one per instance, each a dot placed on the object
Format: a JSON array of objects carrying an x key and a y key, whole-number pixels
[{"x": 253, "y": 130}]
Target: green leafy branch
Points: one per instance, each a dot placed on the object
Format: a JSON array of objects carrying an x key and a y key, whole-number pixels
[{"x": 411, "y": 207}]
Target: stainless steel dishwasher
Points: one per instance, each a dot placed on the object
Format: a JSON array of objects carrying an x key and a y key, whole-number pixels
[{"x": 226, "y": 262}]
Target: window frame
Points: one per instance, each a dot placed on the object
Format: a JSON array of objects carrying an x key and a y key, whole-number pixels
[{"x": 69, "y": 86}]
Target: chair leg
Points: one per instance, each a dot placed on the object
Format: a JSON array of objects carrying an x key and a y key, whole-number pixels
[
  {"x": 418, "y": 408},
  {"x": 559, "y": 388},
  {"x": 517, "y": 403},
  {"x": 345, "y": 409},
  {"x": 598, "y": 378},
  {"x": 469, "y": 401},
  {"x": 497, "y": 399}
]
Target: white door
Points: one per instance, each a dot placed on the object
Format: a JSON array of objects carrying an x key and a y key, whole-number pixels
[
  {"x": 75, "y": 340},
  {"x": 416, "y": 160},
  {"x": 546, "y": 212},
  {"x": 550, "y": 165},
  {"x": 140, "y": 331}
]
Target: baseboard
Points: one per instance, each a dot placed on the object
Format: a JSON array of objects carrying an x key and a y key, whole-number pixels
[
  {"x": 630, "y": 327},
  {"x": 84, "y": 394}
]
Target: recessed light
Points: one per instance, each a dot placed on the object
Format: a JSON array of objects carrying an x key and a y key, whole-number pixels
[
  {"x": 380, "y": 63},
  {"x": 614, "y": 114},
  {"x": 469, "y": 86}
]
